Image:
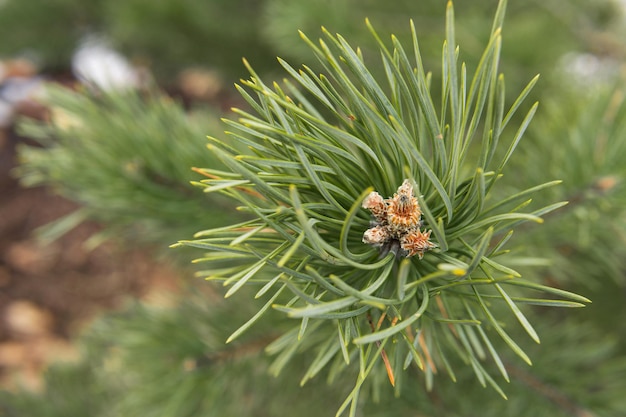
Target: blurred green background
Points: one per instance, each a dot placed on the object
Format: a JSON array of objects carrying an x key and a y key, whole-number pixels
[{"x": 169, "y": 36}]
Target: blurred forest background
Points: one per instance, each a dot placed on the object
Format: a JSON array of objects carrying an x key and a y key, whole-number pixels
[{"x": 104, "y": 109}]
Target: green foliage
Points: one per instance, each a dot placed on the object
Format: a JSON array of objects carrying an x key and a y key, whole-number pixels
[
  {"x": 538, "y": 33},
  {"x": 169, "y": 35},
  {"x": 47, "y": 29},
  {"x": 320, "y": 144},
  {"x": 70, "y": 390},
  {"x": 151, "y": 361},
  {"x": 578, "y": 371},
  {"x": 174, "y": 362},
  {"x": 172, "y": 34},
  {"x": 126, "y": 158},
  {"x": 583, "y": 140},
  {"x": 177, "y": 34}
]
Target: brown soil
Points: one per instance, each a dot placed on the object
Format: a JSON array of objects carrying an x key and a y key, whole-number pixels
[{"x": 48, "y": 292}]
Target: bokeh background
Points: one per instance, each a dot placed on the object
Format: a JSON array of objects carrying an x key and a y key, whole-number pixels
[{"x": 94, "y": 187}]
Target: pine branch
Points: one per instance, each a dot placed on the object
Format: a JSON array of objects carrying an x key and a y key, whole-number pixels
[
  {"x": 125, "y": 157},
  {"x": 324, "y": 147}
]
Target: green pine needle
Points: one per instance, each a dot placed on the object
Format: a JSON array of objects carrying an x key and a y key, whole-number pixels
[{"x": 318, "y": 145}]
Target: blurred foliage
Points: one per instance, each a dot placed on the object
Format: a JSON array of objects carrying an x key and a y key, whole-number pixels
[
  {"x": 581, "y": 137},
  {"x": 70, "y": 390},
  {"x": 537, "y": 34},
  {"x": 170, "y": 35},
  {"x": 175, "y": 363},
  {"x": 47, "y": 31},
  {"x": 127, "y": 159},
  {"x": 151, "y": 361},
  {"x": 583, "y": 140}
]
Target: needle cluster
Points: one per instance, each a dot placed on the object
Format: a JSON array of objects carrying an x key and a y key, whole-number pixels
[{"x": 310, "y": 161}]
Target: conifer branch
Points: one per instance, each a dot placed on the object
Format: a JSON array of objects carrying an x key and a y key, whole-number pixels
[{"x": 349, "y": 176}]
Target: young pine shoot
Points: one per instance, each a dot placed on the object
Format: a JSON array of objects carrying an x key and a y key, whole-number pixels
[{"x": 376, "y": 221}]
